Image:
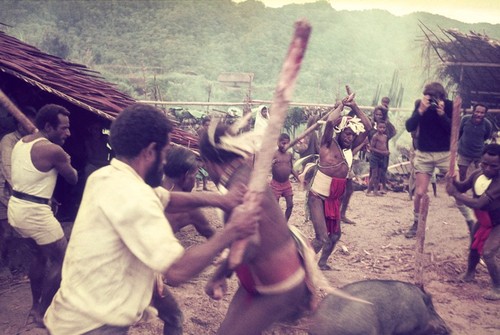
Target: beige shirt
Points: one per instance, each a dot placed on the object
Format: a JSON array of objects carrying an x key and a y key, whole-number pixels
[{"x": 120, "y": 239}]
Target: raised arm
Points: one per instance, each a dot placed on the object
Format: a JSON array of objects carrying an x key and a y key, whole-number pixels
[
  {"x": 326, "y": 138},
  {"x": 364, "y": 120}
]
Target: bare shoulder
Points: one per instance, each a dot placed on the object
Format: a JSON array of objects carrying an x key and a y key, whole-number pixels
[{"x": 49, "y": 150}]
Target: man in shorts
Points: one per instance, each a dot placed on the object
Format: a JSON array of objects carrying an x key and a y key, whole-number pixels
[
  {"x": 432, "y": 119},
  {"x": 37, "y": 160}
]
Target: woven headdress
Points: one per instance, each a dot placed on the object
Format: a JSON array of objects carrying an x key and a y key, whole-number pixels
[{"x": 349, "y": 122}]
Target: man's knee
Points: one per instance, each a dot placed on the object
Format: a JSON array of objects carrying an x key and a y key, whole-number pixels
[{"x": 490, "y": 253}]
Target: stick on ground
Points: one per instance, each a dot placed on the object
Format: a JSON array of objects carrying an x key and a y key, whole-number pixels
[{"x": 419, "y": 250}]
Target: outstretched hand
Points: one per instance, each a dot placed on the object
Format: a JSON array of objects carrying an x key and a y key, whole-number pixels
[{"x": 216, "y": 288}]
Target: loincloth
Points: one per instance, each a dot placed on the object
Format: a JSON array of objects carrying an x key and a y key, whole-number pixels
[
  {"x": 332, "y": 205},
  {"x": 483, "y": 232},
  {"x": 321, "y": 184}
]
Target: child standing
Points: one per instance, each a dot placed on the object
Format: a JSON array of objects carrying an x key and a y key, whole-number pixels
[
  {"x": 378, "y": 154},
  {"x": 281, "y": 169}
]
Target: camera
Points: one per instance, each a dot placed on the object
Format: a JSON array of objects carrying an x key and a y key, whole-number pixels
[{"x": 433, "y": 102}]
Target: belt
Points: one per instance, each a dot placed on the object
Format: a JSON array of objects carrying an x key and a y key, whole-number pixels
[{"x": 29, "y": 197}]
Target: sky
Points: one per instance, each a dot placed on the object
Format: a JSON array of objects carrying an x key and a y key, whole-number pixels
[{"x": 469, "y": 11}]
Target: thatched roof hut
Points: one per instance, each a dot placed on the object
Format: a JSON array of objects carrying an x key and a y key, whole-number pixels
[
  {"x": 30, "y": 77},
  {"x": 471, "y": 61}
]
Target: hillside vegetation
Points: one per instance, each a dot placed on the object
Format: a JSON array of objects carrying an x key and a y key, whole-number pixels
[{"x": 175, "y": 50}]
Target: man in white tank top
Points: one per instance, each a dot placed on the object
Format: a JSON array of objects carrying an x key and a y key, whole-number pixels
[{"x": 37, "y": 160}]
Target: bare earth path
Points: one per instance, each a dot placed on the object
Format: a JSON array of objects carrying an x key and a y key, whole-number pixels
[{"x": 374, "y": 248}]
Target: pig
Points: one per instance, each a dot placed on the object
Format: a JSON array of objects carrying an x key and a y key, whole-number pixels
[{"x": 397, "y": 308}]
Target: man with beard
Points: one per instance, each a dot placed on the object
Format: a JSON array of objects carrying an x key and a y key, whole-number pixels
[
  {"x": 474, "y": 130},
  {"x": 121, "y": 237},
  {"x": 329, "y": 182},
  {"x": 37, "y": 160},
  {"x": 485, "y": 200}
]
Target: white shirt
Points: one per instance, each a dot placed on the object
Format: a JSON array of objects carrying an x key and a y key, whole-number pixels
[
  {"x": 26, "y": 177},
  {"x": 120, "y": 239}
]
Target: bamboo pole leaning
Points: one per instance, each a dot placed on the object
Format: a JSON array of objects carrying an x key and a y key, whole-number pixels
[
  {"x": 16, "y": 113},
  {"x": 279, "y": 108}
]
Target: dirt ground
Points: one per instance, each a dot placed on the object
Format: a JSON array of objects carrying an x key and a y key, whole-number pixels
[{"x": 374, "y": 248}]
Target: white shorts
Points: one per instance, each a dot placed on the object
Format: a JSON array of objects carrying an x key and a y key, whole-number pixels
[{"x": 36, "y": 221}]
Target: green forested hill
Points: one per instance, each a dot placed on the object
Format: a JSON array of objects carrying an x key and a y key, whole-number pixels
[{"x": 181, "y": 46}]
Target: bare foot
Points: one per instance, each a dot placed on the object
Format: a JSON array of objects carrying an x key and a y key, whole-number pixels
[
  {"x": 324, "y": 267},
  {"x": 347, "y": 221},
  {"x": 34, "y": 320},
  {"x": 466, "y": 278},
  {"x": 493, "y": 294}
]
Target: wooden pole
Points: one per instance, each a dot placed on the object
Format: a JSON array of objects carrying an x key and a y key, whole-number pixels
[
  {"x": 279, "y": 108},
  {"x": 419, "y": 250},
  {"x": 16, "y": 113},
  {"x": 455, "y": 125}
]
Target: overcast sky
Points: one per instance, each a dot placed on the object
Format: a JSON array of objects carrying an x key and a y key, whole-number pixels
[{"x": 470, "y": 11}]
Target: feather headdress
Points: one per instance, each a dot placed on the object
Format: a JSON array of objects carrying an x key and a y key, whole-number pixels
[
  {"x": 244, "y": 144},
  {"x": 349, "y": 122}
]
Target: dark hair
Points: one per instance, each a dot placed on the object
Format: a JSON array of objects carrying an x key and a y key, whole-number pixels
[
  {"x": 386, "y": 99},
  {"x": 479, "y": 104},
  {"x": 179, "y": 161},
  {"x": 49, "y": 114},
  {"x": 383, "y": 109},
  {"x": 436, "y": 90},
  {"x": 212, "y": 154},
  {"x": 205, "y": 120},
  {"x": 284, "y": 136},
  {"x": 492, "y": 149},
  {"x": 136, "y": 127}
]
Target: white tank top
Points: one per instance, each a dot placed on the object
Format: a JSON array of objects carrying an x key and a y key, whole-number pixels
[{"x": 26, "y": 177}]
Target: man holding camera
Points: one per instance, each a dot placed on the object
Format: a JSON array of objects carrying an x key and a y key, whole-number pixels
[{"x": 431, "y": 119}]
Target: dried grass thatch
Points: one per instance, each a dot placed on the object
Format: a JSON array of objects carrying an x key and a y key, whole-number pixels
[{"x": 469, "y": 61}]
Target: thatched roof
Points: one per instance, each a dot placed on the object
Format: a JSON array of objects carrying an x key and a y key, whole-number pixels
[
  {"x": 33, "y": 77},
  {"x": 471, "y": 61}
]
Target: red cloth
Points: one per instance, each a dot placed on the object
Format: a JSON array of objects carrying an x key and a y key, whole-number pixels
[
  {"x": 281, "y": 189},
  {"x": 246, "y": 279},
  {"x": 332, "y": 205},
  {"x": 484, "y": 230}
]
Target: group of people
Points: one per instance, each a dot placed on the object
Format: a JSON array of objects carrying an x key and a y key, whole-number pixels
[{"x": 101, "y": 280}]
